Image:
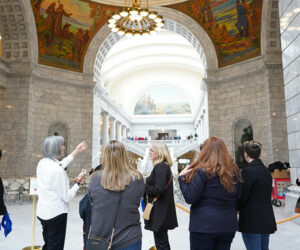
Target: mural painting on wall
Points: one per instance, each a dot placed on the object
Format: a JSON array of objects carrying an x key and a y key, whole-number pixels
[
  {"x": 233, "y": 26},
  {"x": 162, "y": 100},
  {"x": 65, "y": 28}
]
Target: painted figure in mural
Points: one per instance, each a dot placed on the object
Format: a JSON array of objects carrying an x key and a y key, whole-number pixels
[
  {"x": 207, "y": 18},
  {"x": 248, "y": 17},
  {"x": 60, "y": 12},
  {"x": 66, "y": 33},
  {"x": 37, "y": 7},
  {"x": 242, "y": 23},
  {"x": 50, "y": 21},
  {"x": 78, "y": 43},
  {"x": 37, "y": 14},
  {"x": 225, "y": 34}
]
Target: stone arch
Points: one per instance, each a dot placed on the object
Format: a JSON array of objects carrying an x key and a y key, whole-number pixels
[
  {"x": 170, "y": 25},
  {"x": 270, "y": 30},
  {"x": 242, "y": 131},
  {"x": 62, "y": 129},
  {"x": 14, "y": 30},
  {"x": 175, "y": 21}
]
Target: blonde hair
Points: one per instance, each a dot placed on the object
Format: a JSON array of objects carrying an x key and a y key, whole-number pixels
[
  {"x": 117, "y": 172},
  {"x": 162, "y": 152}
]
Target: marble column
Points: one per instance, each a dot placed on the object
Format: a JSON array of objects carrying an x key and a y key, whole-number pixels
[
  {"x": 105, "y": 130},
  {"x": 124, "y": 132},
  {"x": 112, "y": 129},
  {"x": 119, "y": 133}
]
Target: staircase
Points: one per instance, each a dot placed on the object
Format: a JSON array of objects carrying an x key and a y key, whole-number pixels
[{"x": 176, "y": 149}]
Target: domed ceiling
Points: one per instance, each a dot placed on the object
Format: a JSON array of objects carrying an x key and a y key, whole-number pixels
[
  {"x": 156, "y": 75},
  {"x": 66, "y": 27}
]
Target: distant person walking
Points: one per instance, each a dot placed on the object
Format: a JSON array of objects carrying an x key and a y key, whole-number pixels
[
  {"x": 160, "y": 185},
  {"x": 256, "y": 219},
  {"x": 211, "y": 185},
  {"x": 54, "y": 192}
]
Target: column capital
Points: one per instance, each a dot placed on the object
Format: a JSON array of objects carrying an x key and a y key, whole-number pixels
[{"x": 104, "y": 113}]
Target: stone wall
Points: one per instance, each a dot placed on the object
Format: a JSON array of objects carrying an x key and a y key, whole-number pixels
[
  {"x": 244, "y": 92},
  {"x": 14, "y": 125},
  {"x": 51, "y": 102},
  {"x": 290, "y": 40}
]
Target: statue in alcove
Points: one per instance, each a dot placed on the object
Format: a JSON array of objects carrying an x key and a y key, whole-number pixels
[{"x": 239, "y": 154}]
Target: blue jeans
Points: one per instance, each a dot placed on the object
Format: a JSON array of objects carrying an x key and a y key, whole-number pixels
[
  {"x": 135, "y": 246},
  {"x": 211, "y": 241},
  {"x": 256, "y": 241}
]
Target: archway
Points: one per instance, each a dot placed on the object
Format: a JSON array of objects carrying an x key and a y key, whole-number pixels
[
  {"x": 204, "y": 49},
  {"x": 175, "y": 21},
  {"x": 60, "y": 129}
]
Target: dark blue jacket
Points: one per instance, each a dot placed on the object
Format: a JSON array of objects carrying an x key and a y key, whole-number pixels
[
  {"x": 213, "y": 209},
  {"x": 85, "y": 212}
]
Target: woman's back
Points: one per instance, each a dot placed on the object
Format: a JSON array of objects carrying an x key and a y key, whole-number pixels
[
  {"x": 213, "y": 208},
  {"x": 104, "y": 209}
]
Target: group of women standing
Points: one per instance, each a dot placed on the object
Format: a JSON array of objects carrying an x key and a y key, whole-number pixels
[{"x": 212, "y": 185}]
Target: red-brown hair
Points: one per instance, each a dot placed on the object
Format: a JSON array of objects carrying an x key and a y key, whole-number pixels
[{"x": 214, "y": 159}]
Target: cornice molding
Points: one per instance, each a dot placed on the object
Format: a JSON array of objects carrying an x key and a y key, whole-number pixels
[
  {"x": 109, "y": 105},
  {"x": 236, "y": 71}
]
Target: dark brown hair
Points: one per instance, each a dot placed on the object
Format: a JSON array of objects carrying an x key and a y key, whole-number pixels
[
  {"x": 253, "y": 149},
  {"x": 214, "y": 159}
]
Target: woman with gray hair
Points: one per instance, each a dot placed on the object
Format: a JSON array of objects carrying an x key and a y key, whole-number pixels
[{"x": 54, "y": 192}]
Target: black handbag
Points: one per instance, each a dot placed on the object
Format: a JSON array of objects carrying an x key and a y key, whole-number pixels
[
  {"x": 297, "y": 207},
  {"x": 99, "y": 243}
]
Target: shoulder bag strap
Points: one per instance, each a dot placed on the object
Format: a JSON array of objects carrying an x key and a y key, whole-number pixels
[
  {"x": 167, "y": 185},
  {"x": 116, "y": 217}
]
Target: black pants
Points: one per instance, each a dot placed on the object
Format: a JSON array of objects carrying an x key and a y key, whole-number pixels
[
  {"x": 54, "y": 232},
  {"x": 161, "y": 240},
  {"x": 211, "y": 241}
]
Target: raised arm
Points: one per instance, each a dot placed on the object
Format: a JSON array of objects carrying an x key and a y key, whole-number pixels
[
  {"x": 61, "y": 184},
  {"x": 67, "y": 160}
]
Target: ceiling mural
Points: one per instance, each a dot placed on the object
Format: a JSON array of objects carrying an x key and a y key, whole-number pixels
[
  {"x": 233, "y": 26},
  {"x": 66, "y": 27}
]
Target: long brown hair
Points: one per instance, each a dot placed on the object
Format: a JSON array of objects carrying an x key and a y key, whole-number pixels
[
  {"x": 214, "y": 159},
  {"x": 117, "y": 172}
]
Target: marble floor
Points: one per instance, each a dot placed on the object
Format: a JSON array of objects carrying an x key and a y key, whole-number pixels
[{"x": 286, "y": 238}]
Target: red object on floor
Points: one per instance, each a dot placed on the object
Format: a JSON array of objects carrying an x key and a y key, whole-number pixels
[{"x": 275, "y": 194}]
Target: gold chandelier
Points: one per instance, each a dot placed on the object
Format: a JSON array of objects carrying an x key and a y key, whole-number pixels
[{"x": 135, "y": 20}]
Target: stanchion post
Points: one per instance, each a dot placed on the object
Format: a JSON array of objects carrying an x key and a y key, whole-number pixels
[
  {"x": 33, "y": 222},
  {"x": 33, "y": 192}
]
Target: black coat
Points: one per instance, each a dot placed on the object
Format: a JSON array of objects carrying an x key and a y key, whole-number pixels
[
  {"x": 85, "y": 212},
  {"x": 2, "y": 205},
  {"x": 163, "y": 214},
  {"x": 255, "y": 206}
]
